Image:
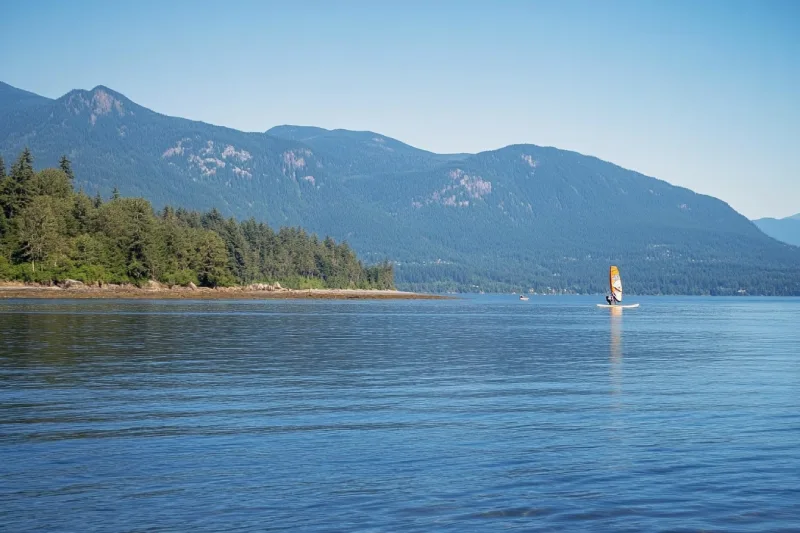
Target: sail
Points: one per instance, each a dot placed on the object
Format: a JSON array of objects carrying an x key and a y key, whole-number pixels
[{"x": 616, "y": 283}]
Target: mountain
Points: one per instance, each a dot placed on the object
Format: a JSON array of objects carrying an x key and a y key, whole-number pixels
[
  {"x": 356, "y": 153},
  {"x": 12, "y": 98},
  {"x": 516, "y": 218},
  {"x": 783, "y": 229}
]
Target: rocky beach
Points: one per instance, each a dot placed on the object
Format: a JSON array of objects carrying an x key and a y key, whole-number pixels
[{"x": 154, "y": 290}]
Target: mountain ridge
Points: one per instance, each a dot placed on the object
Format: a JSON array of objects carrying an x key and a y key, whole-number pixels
[
  {"x": 518, "y": 217},
  {"x": 785, "y": 229},
  {"x": 12, "y": 97}
]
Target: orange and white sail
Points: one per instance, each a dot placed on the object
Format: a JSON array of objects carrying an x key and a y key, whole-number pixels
[{"x": 616, "y": 283}]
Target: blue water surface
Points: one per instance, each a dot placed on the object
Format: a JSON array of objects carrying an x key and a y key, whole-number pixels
[{"x": 476, "y": 414}]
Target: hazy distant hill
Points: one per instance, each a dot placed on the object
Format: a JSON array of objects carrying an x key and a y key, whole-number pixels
[
  {"x": 516, "y": 218},
  {"x": 784, "y": 229}
]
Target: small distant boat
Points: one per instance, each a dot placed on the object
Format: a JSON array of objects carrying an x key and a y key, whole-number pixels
[
  {"x": 523, "y": 298},
  {"x": 615, "y": 281}
]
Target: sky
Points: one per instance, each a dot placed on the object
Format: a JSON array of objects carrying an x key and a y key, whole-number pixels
[{"x": 704, "y": 95}]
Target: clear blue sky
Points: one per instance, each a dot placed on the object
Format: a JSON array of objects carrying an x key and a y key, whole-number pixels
[{"x": 702, "y": 94}]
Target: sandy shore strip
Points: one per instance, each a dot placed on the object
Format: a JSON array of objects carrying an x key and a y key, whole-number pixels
[{"x": 10, "y": 290}]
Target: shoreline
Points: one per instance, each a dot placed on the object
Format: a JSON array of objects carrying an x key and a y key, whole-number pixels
[{"x": 20, "y": 290}]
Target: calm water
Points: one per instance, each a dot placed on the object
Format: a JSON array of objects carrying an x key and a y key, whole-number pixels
[{"x": 483, "y": 414}]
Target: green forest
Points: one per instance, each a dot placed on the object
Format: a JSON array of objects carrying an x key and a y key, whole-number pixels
[{"x": 49, "y": 233}]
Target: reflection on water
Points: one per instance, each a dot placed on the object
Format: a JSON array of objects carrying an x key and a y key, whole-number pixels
[
  {"x": 615, "y": 318},
  {"x": 468, "y": 415}
]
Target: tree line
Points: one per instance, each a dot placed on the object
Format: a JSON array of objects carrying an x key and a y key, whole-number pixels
[
  {"x": 49, "y": 233},
  {"x": 640, "y": 277}
]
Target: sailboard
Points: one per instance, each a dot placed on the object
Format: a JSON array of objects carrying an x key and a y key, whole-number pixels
[{"x": 615, "y": 283}]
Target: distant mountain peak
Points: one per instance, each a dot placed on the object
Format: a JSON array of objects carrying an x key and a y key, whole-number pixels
[{"x": 99, "y": 102}]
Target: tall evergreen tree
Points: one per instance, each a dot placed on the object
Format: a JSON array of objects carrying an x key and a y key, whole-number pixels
[
  {"x": 2, "y": 169},
  {"x": 115, "y": 194},
  {"x": 66, "y": 165},
  {"x": 18, "y": 187},
  {"x": 212, "y": 260},
  {"x": 24, "y": 163}
]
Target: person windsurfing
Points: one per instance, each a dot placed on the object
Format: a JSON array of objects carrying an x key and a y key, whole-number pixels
[{"x": 614, "y": 299}]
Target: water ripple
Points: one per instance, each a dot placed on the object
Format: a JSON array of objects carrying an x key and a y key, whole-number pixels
[{"x": 470, "y": 415}]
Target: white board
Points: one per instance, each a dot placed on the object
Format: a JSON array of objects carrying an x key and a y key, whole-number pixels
[{"x": 628, "y": 306}]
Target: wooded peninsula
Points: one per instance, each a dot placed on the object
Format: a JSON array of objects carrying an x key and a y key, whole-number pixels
[{"x": 51, "y": 234}]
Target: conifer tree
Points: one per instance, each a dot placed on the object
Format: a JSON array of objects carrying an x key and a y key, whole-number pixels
[
  {"x": 66, "y": 165},
  {"x": 24, "y": 164},
  {"x": 17, "y": 188}
]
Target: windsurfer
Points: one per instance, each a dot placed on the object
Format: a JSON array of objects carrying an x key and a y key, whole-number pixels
[{"x": 608, "y": 299}]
